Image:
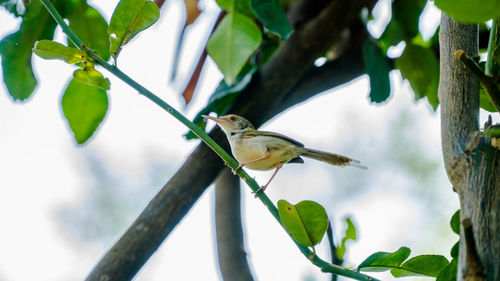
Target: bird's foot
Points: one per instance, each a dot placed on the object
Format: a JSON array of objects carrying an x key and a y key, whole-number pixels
[{"x": 262, "y": 188}]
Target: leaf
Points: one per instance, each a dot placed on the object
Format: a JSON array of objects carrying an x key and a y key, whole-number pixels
[
  {"x": 90, "y": 76},
  {"x": 485, "y": 101},
  {"x": 306, "y": 222},
  {"x": 91, "y": 27},
  {"x": 423, "y": 265},
  {"x": 314, "y": 218},
  {"x": 378, "y": 69},
  {"x": 232, "y": 43},
  {"x": 240, "y": 6},
  {"x": 470, "y": 11},
  {"x": 16, "y": 51},
  {"x": 421, "y": 67},
  {"x": 129, "y": 18},
  {"x": 84, "y": 107},
  {"x": 407, "y": 14},
  {"x": 350, "y": 234},
  {"x": 455, "y": 250},
  {"x": 449, "y": 272},
  {"x": 222, "y": 98},
  {"x": 455, "y": 222},
  {"x": 382, "y": 261},
  {"x": 273, "y": 16},
  {"x": 53, "y": 50}
]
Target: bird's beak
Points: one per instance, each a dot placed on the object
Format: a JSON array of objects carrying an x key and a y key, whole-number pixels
[{"x": 217, "y": 120}]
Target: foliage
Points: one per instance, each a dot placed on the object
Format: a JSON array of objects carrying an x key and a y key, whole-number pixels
[
  {"x": 306, "y": 221},
  {"x": 471, "y": 11},
  {"x": 350, "y": 234}
]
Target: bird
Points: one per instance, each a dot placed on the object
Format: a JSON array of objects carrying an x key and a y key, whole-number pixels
[{"x": 263, "y": 150}]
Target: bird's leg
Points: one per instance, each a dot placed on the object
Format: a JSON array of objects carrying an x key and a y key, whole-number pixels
[
  {"x": 263, "y": 188},
  {"x": 266, "y": 155}
]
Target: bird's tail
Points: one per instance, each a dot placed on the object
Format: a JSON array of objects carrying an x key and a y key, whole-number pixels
[{"x": 331, "y": 158}]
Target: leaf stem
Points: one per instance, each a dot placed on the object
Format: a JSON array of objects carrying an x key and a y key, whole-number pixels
[
  {"x": 492, "y": 44},
  {"x": 323, "y": 265}
]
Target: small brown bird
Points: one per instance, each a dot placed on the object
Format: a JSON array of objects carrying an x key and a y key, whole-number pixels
[{"x": 260, "y": 150}]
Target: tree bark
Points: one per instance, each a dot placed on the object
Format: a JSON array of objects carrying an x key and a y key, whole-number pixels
[
  {"x": 472, "y": 164},
  {"x": 262, "y": 99},
  {"x": 231, "y": 252}
]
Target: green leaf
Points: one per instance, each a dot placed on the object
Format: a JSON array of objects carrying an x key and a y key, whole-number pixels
[
  {"x": 240, "y": 6},
  {"x": 449, "y": 272},
  {"x": 470, "y": 11},
  {"x": 306, "y": 221},
  {"x": 455, "y": 250},
  {"x": 485, "y": 101},
  {"x": 382, "y": 261},
  {"x": 53, "y": 50},
  {"x": 273, "y": 16},
  {"x": 222, "y": 98},
  {"x": 455, "y": 222},
  {"x": 16, "y": 50},
  {"x": 407, "y": 14},
  {"x": 378, "y": 69},
  {"x": 129, "y": 18},
  {"x": 91, "y": 27},
  {"x": 421, "y": 67},
  {"x": 91, "y": 76},
  {"x": 232, "y": 43},
  {"x": 350, "y": 234},
  {"x": 423, "y": 265},
  {"x": 84, "y": 107}
]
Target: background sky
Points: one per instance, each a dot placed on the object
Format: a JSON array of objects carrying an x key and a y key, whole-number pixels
[{"x": 62, "y": 205}]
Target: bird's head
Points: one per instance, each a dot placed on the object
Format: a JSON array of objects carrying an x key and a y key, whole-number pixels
[{"x": 230, "y": 123}]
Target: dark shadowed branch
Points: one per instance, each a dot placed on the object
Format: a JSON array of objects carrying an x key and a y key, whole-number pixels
[{"x": 231, "y": 252}]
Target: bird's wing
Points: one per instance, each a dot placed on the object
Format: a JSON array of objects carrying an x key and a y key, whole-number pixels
[{"x": 255, "y": 133}]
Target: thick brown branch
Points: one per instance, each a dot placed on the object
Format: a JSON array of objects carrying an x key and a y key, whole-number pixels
[
  {"x": 260, "y": 101},
  {"x": 231, "y": 253},
  {"x": 473, "y": 166}
]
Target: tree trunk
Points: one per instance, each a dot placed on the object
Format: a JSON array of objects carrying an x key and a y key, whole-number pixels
[{"x": 472, "y": 164}]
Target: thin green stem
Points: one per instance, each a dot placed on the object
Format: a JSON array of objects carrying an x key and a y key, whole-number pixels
[
  {"x": 492, "y": 44},
  {"x": 323, "y": 265}
]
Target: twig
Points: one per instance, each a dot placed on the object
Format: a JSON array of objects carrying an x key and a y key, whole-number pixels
[
  {"x": 323, "y": 265},
  {"x": 333, "y": 249},
  {"x": 492, "y": 44},
  {"x": 486, "y": 81}
]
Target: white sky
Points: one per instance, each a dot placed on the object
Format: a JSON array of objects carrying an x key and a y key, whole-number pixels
[{"x": 43, "y": 173}]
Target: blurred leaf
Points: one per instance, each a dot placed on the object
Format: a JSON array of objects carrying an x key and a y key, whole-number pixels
[
  {"x": 423, "y": 265},
  {"x": 455, "y": 222},
  {"x": 449, "y": 272},
  {"x": 382, "y": 261},
  {"x": 192, "y": 11},
  {"x": 240, "y": 6},
  {"x": 16, "y": 50},
  {"x": 91, "y": 27},
  {"x": 273, "y": 16},
  {"x": 129, "y": 18},
  {"x": 232, "y": 43},
  {"x": 470, "y": 11},
  {"x": 485, "y": 101},
  {"x": 407, "y": 14},
  {"x": 306, "y": 222},
  {"x": 84, "y": 107},
  {"x": 17, "y": 8},
  {"x": 92, "y": 77},
  {"x": 53, "y": 50},
  {"x": 454, "y": 250},
  {"x": 222, "y": 98},
  {"x": 378, "y": 69},
  {"x": 494, "y": 131},
  {"x": 350, "y": 234},
  {"x": 392, "y": 35},
  {"x": 421, "y": 67}
]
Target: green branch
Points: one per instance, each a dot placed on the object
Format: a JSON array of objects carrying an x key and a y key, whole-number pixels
[
  {"x": 492, "y": 44},
  {"x": 488, "y": 83},
  {"x": 323, "y": 265}
]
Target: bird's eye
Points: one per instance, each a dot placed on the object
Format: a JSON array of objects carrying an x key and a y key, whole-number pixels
[{"x": 232, "y": 118}]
